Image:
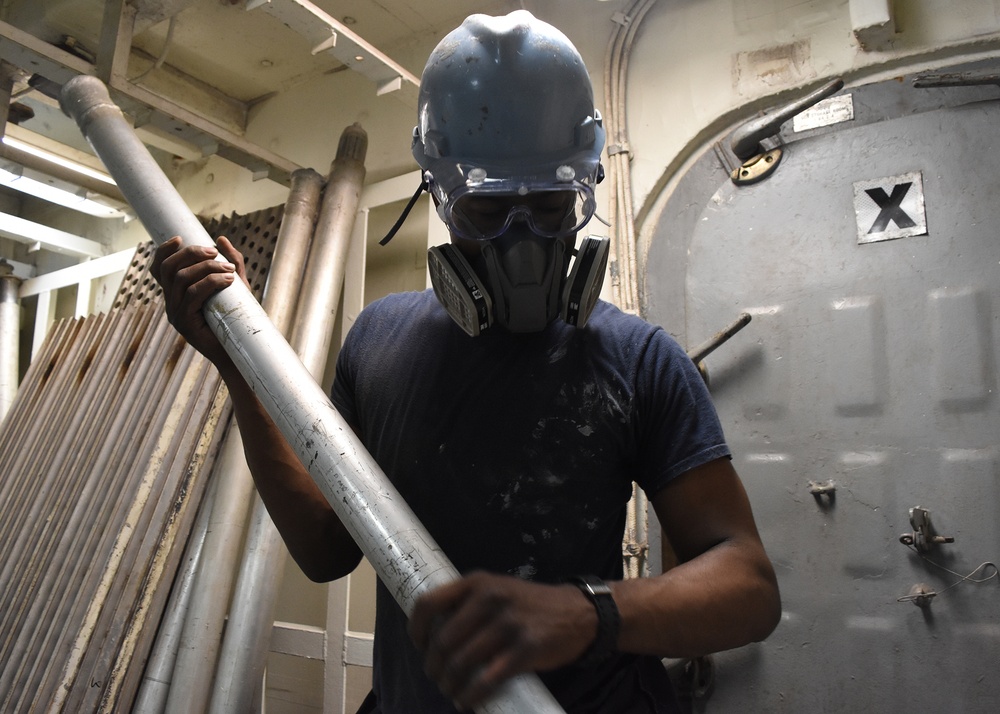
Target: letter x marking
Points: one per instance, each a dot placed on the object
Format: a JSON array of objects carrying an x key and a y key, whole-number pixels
[{"x": 890, "y": 207}]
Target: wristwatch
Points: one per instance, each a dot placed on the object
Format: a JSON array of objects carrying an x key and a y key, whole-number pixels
[{"x": 609, "y": 620}]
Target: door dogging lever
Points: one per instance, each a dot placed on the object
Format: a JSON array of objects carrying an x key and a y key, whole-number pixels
[
  {"x": 758, "y": 162},
  {"x": 923, "y": 537},
  {"x": 715, "y": 341}
]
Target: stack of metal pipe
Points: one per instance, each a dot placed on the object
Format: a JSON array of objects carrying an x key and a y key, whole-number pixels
[{"x": 104, "y": 459}]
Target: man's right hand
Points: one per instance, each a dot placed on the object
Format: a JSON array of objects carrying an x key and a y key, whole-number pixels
[{"x": 189, "y": 275}]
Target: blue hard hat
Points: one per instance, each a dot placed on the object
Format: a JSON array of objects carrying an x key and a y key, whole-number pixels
[{"x": 506, "y": 106}]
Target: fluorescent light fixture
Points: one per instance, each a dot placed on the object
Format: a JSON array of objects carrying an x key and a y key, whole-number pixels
[
  {"x": 36, "y": 184},
  {"x": 59, "y": 160}
]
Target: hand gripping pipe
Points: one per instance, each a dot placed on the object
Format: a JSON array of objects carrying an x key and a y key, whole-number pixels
[{"x": 399, "y": 548}]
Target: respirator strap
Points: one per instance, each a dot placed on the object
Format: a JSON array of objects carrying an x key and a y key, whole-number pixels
[{"x": 406, "y": 211}]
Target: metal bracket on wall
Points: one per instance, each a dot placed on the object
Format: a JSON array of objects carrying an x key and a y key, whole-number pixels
[
  {"x": 923, "y": 537},
  {"x": 920, "y": 595},
  {"x": 757, "y": 162},
  {"x": 819, "y": 489},
  {"x": 824, "y": 493}
]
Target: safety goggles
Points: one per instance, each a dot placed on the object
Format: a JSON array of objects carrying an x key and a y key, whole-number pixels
[
  {"x": 552, "y": 202},
  {"x": 553, "y": 211}
]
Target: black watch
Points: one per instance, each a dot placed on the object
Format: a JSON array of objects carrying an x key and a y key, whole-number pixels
[{"x": 609, "y": 620}]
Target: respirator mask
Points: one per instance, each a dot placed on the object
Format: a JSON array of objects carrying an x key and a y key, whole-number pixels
[{"x": 518, "y": 250}]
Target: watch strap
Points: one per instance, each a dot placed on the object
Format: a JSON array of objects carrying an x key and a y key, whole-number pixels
[{"x": 608, "y": 619}]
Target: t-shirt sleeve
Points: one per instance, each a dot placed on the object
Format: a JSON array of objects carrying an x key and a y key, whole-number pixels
[
  {"x": 677, "y": 425},
  {"x": 342, "y": 393}
]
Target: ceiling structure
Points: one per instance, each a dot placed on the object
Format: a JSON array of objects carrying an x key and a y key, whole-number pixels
[{"x": 189, "y": 72}]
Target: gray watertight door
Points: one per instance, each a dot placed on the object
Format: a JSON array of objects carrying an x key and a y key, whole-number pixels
[{"x": 861, "y": 400}]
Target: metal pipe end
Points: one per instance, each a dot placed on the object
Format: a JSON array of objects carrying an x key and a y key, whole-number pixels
[
  {"x": 81, "y": 94},
  {"x": 353, "y": 144},
  {"x": 307, "y": 176}
]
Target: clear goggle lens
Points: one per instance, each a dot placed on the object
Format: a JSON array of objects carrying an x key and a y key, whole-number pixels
[{"x": 551, "y": 213}]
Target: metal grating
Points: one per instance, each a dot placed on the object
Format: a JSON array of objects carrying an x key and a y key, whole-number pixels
[{"x": 104, "y": 457}]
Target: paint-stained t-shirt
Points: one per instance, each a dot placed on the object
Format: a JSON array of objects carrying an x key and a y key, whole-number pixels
[{"x": 517, "y": 452}]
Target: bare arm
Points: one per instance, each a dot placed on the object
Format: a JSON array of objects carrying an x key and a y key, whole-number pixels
[
  {"x": 315, "y": 537},
  {"x": 723, "y": 594},
  {"x": 485, "y": 628}
]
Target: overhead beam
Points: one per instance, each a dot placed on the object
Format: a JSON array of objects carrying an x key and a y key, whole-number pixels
[
  {"x": 153, "y": 12},
  {"x": 76, "y": 274},
  {"x": 35, "y": 234},
  {"x": 329, "y": 35},
  {"x": 36, "y": 56},
  {"x": 39, "y": 57},
  {"x": 116, "y": 40}
]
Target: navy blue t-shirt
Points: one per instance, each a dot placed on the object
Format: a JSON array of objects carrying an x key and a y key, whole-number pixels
[{"x": 518, "y": 453}]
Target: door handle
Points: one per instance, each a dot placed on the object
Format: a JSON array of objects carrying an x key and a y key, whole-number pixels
[{"x": 745, "y": 143}]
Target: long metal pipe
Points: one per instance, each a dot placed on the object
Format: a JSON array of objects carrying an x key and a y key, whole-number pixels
[
  {"x": 205, "y": 621},
  {"x": 400, "y": 549},
  {"x": 10, "y": 318},
  {"x": 155, "y": 687},
  {"x": 191, "y": 636},
  {"x": 248, "y": 634}
]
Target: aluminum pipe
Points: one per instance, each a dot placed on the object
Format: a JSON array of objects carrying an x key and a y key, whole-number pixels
[
  {"x": 399, "y": 548},
  {"x": 10, "y": 330},
  {"x": 243, "y": 657},
  {"x": 205, "y": 620},
  {"x": 158, "y": 673}
]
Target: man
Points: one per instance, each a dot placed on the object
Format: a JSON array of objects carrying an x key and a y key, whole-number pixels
[{"x": 513, "y": 410}]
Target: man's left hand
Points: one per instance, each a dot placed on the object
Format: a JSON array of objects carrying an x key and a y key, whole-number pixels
[{"x": 481, "y": 630}]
